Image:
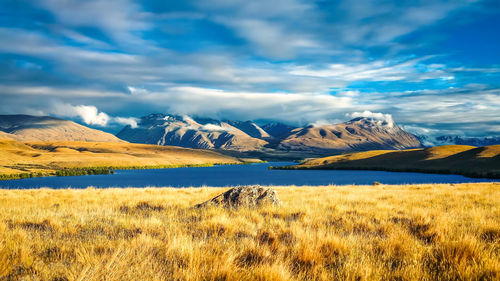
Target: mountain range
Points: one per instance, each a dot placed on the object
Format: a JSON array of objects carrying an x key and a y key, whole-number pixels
[
  {"x": 203, "y": 133},
  {"x": 243, "y": 136},
  {"x": 246, "y": 137},
  {"x": 458, "y": 140}
]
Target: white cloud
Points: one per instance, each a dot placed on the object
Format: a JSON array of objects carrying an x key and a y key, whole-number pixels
[
  {"x": 375, "y": 115},
  {"x": 271, "y": 38},
  {"x": 321, "y": 123},
  {"x": 118, "y": 18},
  {"x": 417, "y": 130},
  {"x": 380, "y": 70},
  {"x": 187, "y": 118},
  {"x": 294, "y": 107},
  {"x": 90, "y": 115},
  {"x": 274, "y": 29},
  {"x": 213, "y": 128},
  {"x": 131, "y": 121},
  {"x": 375, "y": 23},
  {"x": 136, "y": 91},
  {"x": 453, "y": 108},
  {"x": 33, "y": 43}
]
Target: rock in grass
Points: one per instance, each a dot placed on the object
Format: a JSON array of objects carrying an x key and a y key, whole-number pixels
[{"x": 244, "y": 196}]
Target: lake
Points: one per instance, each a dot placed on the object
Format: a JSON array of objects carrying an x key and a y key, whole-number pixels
[{"x": 230, "y": 175}]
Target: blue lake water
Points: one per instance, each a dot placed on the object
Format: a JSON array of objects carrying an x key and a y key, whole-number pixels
[{"x": 231, "y": 175}]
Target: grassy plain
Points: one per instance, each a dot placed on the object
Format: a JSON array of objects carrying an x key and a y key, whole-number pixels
[
  {"x": 21, "y": 159},
  {"x": 449, "y": 159},
  {"x": 407, "y": 232}
]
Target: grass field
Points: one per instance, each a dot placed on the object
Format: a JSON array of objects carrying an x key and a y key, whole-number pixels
[
  {"x": 413, "y": 232},
  {"x": 471, "y": 161},
  {"x": 26, "y": 159}
]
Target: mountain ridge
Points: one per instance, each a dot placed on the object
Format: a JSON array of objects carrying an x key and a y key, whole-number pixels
[
  {"x": 184, "y": 131},
  {"x": 358, "y": 134}
]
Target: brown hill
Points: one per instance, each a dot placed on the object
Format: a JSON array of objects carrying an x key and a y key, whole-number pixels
[
  {"x": 456, "y": 159},
  {"x": 44, "y": 128},
  {"x": 355, "y": 135}
]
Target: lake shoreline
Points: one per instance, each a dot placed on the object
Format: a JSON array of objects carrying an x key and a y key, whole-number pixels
[
  {"x": 234, "y": 175},
  {"x": 106, "y": 170},
  {"x": 472, "y": 175}
]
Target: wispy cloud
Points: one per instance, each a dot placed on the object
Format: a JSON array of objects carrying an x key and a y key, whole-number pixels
[
  {"x": 382, "y": 70},
  {"x": 119, "y": 19}
]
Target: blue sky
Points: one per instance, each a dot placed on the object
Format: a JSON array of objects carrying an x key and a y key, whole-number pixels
[{"x": 434, "y": 66}]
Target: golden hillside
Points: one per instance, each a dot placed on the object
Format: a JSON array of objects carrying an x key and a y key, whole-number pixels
[
  {"x": 456, "y": 159},
  {"x": 47, "y": 157}
]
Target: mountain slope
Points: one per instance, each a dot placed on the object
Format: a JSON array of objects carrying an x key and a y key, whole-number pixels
[
  {"x": 186, "y": 132},
  {"x": 457, "y": 159},
  {"x": 250, "y": 128},
  {"x": 355, "y": 135},
  {"x": 278, "y": 130},
  {"x": 44, "y": 128}
]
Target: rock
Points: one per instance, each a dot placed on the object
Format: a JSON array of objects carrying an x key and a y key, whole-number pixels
[{"x": 244, "y": 196}]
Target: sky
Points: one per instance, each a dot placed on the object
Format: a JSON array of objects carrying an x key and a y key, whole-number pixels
[{"x": 431, "y": 66}]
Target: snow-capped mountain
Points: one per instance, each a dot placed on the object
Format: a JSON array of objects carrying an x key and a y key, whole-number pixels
[{"x": 357, "y": 134}]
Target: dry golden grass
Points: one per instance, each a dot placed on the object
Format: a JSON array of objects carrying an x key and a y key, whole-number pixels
[
  {"x": 46, "y": 157},
  {"x": 414, "y": 232}
]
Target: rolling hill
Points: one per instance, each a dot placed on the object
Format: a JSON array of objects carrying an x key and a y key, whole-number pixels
[
  {"x": 450, "y": 159},
  {"x": 46, "y": 158},
  {"x": 45, "y": 128}
]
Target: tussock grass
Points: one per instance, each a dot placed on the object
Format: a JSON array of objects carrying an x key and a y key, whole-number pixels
[{"x": 413, "y": 232}]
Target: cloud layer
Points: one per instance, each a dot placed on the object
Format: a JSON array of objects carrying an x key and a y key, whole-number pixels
[{"x": 105, "y": 63}]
